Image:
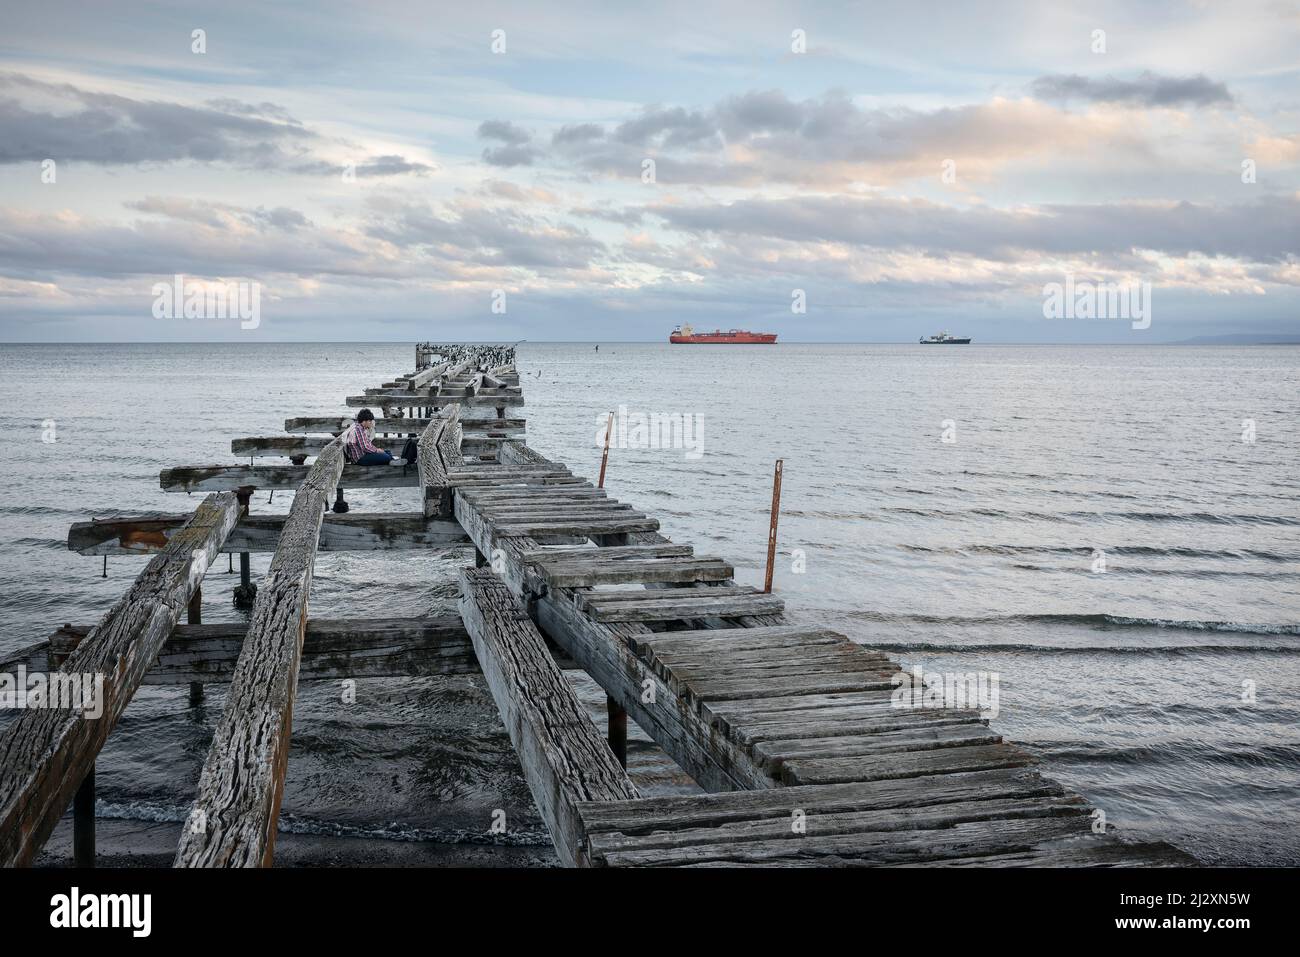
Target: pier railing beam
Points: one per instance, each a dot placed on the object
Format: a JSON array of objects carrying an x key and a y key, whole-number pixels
[
  {"x": 47, "y": 752},
  {"x": 233, "y": 821},
  {"x": 565, "y": 762}
]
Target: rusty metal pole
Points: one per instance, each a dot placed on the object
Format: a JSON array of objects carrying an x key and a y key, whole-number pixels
[
  {"x": 771, "y": 532},
  {"x": 83, "y": 822},
  {"x": 604, "y": 456},
  {"x": 194, "y": 616},
  {"x": 617, "y": 730}
]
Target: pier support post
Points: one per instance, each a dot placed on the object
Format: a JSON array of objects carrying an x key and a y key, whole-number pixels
[
  {"x": 194, "y": 616},
  {"x": 604, "y": 456},
  {"x": 340, "y": 506},
  {"x": 771, "y": 531},
  {"x": 246, "y": 591},
  {"x": 617, "y": 730},
  {"x": 83, "y": 822}
]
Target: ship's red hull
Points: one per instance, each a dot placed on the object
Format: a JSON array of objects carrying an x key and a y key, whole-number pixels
[{"x": 724, "y": 338}]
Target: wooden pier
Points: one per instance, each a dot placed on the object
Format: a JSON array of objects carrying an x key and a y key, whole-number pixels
[{"x": 790, "y": 729}]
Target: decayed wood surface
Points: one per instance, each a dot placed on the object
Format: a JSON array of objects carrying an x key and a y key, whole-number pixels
[
  {"x": 419, "y": 398},
  {"x": 351, "y": 531},
  {"x": 510, "y": 427},
  {"x": 46, "y": 752},
  {"x": 221, "y": 478},
  {"x": 750, "y": 705},
  {"x": 432, "y": 469},
  {"x": 474, "y": 443},
  {"x": 332, "y": 649},
  {"x": 565, "y": 760},
  {"x": 233, "y": 821}
]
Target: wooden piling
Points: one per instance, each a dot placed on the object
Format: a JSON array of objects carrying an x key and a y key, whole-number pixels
[
  {"x": 771, "y": 531},
  {"x": 245, "y": 592},
  {"x": 194, "y": 616},
  {"x": 604, "y": 455}
]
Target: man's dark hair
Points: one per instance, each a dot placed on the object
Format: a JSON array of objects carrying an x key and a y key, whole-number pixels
[{"x": 365, "y": 415}]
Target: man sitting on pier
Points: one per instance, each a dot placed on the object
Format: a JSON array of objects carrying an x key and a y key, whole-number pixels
[{"x": 357, "y": 447}]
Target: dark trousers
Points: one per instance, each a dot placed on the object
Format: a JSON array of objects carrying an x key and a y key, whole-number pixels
[{"x": 375, "y": 458}]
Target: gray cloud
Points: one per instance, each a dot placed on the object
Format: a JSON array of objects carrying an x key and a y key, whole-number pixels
[
  {"x": 1263, "y": 231},
  {"x": 517, "y": 148},
  {"x": 480, "y": 235},
  {"x": 1147, "y": 89},
  {"x": 109, "y": 129}
]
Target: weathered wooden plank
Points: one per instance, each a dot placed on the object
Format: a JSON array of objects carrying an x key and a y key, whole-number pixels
[
  {"x": 545, "y": 556},
  {"x": 586, "y": 527},
  {"x": 704, "y": 692},
  {"x": 350, "y": 531},
  {"x": 334, "y": 424},
  {"x": 433, "y": 471},
  {"x": 233, "y": 821},
  {"x": 564, "y": 758},
  {"x": 207, "y": 478},
  {"x": 671, "y": 607},
  {"x": 421, "y": 397},
  {"x": 45, "y": 753},
  {"x": 774, "y": 753},
  {"x": 587, "y": 573},
  {"x": 907, "y": 764},
  {"x": 931, "y": 817},
  {"x": 728, "y": 641},
  {"x": 973, "y": 838},
  {"x": 474, "y": 443},
  {"x": 708, "y": 810},
  {"x": 332, "y": 649},
  {"x": 1072, "y": 852}
]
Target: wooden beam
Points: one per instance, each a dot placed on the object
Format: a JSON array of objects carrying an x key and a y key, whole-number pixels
[
  {"x": 351, "y": 531},
  {"x": 474, "y": 443},
  {"x": 413, "y": 426},
  {"x": 432, "y": 470},
  {"x": 421, "y": 398},
  {"x": 47, "y": 752},
  {"x": 602, "y": 650},
  {"x": 565, "y": 760},
  {"x": 332, "y": 649},
  {"x": 214, "y": 478},
  {"x": 233, "y": 821}
]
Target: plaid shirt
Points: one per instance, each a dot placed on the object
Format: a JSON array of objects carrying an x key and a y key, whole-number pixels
[{"x": 356, "y": 442}]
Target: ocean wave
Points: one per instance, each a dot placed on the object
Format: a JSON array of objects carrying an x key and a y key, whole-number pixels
[
  {"x": 1075, "y": 518},
  {"x": 1236, "y": 753},
  {"x": 1170, "y": 650},
  {"x": 1151, "y": 551},
  {"x": 1101, "y": 620}
]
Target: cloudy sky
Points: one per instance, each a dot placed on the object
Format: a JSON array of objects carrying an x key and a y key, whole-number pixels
[{"x": 381, "y": 169}]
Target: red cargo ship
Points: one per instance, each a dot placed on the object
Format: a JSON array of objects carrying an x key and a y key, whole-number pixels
[{"x": 684, "y": 334}]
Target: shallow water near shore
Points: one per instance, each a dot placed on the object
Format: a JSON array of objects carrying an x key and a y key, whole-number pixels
[{"x": 977, "y": 554}]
